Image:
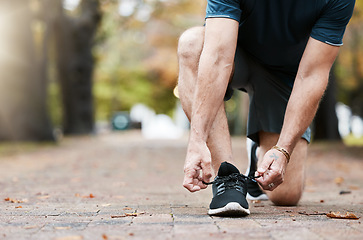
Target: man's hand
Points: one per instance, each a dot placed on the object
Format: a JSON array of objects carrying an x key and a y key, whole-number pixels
[
  {"x": 198, "y": 159},
  {"x": 271, "y": 170}
]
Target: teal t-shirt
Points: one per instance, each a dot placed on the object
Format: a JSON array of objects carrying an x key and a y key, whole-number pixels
[{"x": 275, "y": 32}]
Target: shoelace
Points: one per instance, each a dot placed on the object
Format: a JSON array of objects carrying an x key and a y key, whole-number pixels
[{"x": 233, "y": 176}]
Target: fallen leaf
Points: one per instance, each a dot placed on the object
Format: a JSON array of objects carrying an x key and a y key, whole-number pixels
[
  {"x": 87, "y": 196},
  {"x": 312, "y": 214},
  {"x": 12, "y": 200},
  {"x": 104, "y": 236},
  {"x": 134, "y": 214},
  {"x": 19, "y": 207},
  {"x": 118, "y": 216},
  {"x": 127, "y": 215},
  {"x": 339, "y": 180},
  {"x": 348, "y": 215}
]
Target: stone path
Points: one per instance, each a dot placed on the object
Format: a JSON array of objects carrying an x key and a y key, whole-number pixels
[{"x": 120, "y": 186}]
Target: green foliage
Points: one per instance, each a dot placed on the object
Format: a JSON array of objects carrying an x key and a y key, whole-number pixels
[
  {"x": 136, "y": 59},
  {"x": 124, "y": 88}
]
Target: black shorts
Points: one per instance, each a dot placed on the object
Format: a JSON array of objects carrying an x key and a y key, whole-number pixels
[{"x": 267, "y": 93}]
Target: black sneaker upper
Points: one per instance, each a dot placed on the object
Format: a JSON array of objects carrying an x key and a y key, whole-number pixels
[{"x": 229, "y": 186}]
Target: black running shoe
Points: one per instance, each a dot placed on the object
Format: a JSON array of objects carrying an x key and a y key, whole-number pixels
[
  {"x": 254, "y": 191},
  {"x": 229, "y": 192}
]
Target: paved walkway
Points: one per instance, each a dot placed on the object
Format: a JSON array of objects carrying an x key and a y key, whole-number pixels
[{"x": 119, "y": 186}]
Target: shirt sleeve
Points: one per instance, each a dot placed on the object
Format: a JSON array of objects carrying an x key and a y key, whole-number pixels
[
  {"x": 224, "y": 9},
  {"x": 331, "y": 24}
]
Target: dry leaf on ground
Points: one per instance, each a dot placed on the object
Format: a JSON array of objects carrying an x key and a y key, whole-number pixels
[
  {"x": 128, "y": 215},
  {"x": 338, "y": 215},
  {"x": 339, "y": 180},
  {"x": 87, "y": 196},
  {"x": 12, "y": 200},
  {"x": 312, "y": 214}
]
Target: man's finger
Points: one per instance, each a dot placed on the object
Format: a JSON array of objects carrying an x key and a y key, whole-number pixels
[
  {"x": 190, "y": 186},
  {"x": 206, "y": 171},
  {"x": 191, "y": 181},
  {"x": 265, "y": 165}
]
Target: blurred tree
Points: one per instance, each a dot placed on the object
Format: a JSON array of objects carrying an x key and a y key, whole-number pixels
[
  {"x": 137, "y": 55},
  {"x": 350, "y": 63},
  {"x": 346, "y": 80},
  {"x": 23, "y": 82},
  {"x": 74, "y": 37}
]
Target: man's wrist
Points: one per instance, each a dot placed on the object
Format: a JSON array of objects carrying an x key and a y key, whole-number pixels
[
  {"x": 283, "y": 151},
  {"x": 197, "y": 135}
]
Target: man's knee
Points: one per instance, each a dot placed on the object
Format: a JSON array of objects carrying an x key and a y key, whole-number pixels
[
  {"x": 191, "y": 43},
  {"x": 290, "y": 191},
  {"x": 286, "y": 196}
]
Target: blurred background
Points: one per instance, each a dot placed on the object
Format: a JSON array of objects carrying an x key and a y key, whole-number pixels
[{"x": 80, "y": 67}]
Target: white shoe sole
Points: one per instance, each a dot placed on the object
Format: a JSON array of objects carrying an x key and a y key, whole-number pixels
[
  {"x": 262, "y": 197},
  {"x": 231, "y": 209}
]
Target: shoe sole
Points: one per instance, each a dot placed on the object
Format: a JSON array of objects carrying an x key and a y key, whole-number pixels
[
  {"x": 262, "y": 197},
  {"x": 231, "y": 209}
]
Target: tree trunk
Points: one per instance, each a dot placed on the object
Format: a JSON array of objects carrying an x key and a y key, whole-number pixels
[
  {"x": 74, "y": 41},
  {"x": 326, "y": 120},
  {"x": 23, "y": 111}
]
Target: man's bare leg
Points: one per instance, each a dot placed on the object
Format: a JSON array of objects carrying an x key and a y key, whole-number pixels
[
  {"x": 189, "y": 50},
  {"x": 290, "y": 191}
]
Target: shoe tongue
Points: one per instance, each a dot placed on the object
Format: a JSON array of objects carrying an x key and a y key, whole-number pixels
[{"x": 226, "y": 169}]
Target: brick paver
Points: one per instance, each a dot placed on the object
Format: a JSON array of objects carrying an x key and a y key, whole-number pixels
[{"x": 120, "y": 186}]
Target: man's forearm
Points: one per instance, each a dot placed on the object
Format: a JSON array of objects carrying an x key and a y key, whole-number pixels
[
  {"x": 301, "y": 109},
  {"x": 215, "y": 66},
  {"x": 310, "y": 84},
  {"x": 210, "y": 89}
]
